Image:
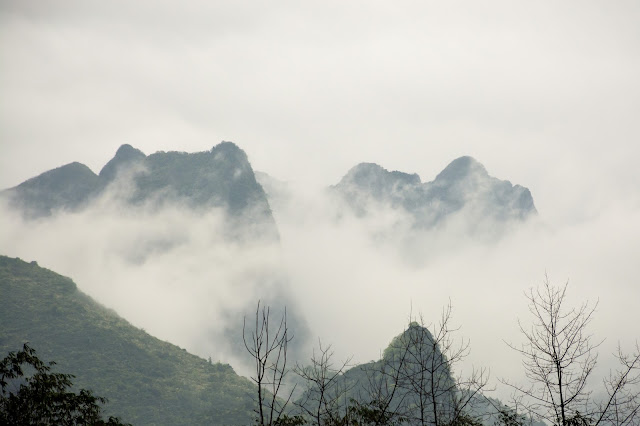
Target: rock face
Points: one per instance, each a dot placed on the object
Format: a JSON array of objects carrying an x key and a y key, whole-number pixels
[
  {"x": 67, "y": 187},
  {"x": 464, "y": 185},
  {"x": 126, "y": 155},
  {"x": 221, "y": 177}
]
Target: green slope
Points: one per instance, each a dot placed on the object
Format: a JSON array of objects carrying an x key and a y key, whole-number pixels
[{"x": 147, "y": 381}]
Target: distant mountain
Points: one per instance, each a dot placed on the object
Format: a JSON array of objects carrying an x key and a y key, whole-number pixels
[
  {"x": 413, "y": 378},
  {"x": 125, "y": 157},
  {"x": 220, "y": 181},
  {"x": 402, "y": 379},
  {"x": 464, "y": 185},
  {"x": 69, "y": 187},
  {"x": 221, "y": 177},
  {"x": 147, "y": 381}
]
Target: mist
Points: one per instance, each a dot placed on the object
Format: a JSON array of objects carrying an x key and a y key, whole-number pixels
[
  {"x": 352, "y": 282},
  {"x": 370, "y": 286},
  {"x": 182, "y": 274},
  {"x": 544, "y": 94}
]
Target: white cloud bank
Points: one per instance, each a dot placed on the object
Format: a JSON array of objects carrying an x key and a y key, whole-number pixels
[
  {"x": 170, "y": 272},
  {"x": 545, "y": 94}
]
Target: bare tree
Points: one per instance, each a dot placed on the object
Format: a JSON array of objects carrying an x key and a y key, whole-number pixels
[
  {"x": 413, "y": 383},
  {"x": 559, "y": 357},
  {"x": 419, "y": 381},
  {"x": 330, "y": 400},
  {"x": 268, "y": 349},
  {"x": 382, "y": 388},
  {"x": 622, "y": 405},
  {"x": 324, "y": 400}
]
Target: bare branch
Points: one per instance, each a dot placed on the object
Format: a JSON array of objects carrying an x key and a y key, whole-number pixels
[
  {"x": 559, "y": 357},
  {"x": 269, "y": 352}
]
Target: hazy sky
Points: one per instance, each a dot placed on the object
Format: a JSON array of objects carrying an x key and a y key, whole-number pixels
[{"x": 545, "y": 94}]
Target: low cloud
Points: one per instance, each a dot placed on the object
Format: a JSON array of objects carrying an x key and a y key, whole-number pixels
[
  {"x": 177, "y": 272},
  {"x": 352, "y": 282},
  {"x": 358, "y": 290}
]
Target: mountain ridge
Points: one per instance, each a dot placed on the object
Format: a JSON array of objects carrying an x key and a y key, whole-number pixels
[
  {"x": 146, "y": 380},
  {"x": 223, "y": 177},
  {"x": 125, "y": 154},
  {"x": 464, "y": 184},
  {"x": 220, "y": 177}
]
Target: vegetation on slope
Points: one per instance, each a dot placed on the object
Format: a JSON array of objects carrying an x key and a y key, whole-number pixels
[{"x": 146, "y": 381}]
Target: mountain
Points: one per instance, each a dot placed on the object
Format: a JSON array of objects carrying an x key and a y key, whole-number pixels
[
  {"x": 412, "y": 375},
  {"x": 172, "y": 202},
  {"x": 413, "y": 379},
  {"x": 147, "y": 381},
  {"x": 463, "y": 186},
  {"x": 67, "y": 187},
  {"x": 125, "y": 156},
  {"x": 221, "y": 177}
]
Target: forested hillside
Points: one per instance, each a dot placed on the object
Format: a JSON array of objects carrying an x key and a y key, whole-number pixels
[{"x": 147, "y": 381}]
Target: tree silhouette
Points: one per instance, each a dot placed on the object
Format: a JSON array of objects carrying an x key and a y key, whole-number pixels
[
  {"x": 267, "y": 346},
  {"x": 31, "y": 394},
  {"x": 559, "y": 356}
]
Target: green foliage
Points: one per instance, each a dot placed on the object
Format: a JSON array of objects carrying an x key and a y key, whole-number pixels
[
  {"x": 44, "y": 397},
  {"x": 222, "y": 176},
  {"x": 395, "y": 350},
  {"x": 285, "y": 420},
  {"x": 370, "y": 414},
  {"x": 147, "y": 381},
  {"x": 578, "y": 420},
  {"x": 355, "y": 414},
  {"x": 509, "y": 418},
  {"x": 464, "y": 420}
]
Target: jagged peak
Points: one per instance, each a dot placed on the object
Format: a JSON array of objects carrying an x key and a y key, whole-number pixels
[
  {"x": 414, "y": 335},
  {"x": 230, "y": 150},
  {"x": 125, "y": 154},
  {"x": 127, "y": 151},
  {"x": 368, "y": 167},
  {"x": 226, "y": 145},
  {"x": 460, "y": 168},
  {"x": 366, "y": 171}
]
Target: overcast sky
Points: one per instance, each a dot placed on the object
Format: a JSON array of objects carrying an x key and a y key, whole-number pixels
[{"x": 545, "y": 94}]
